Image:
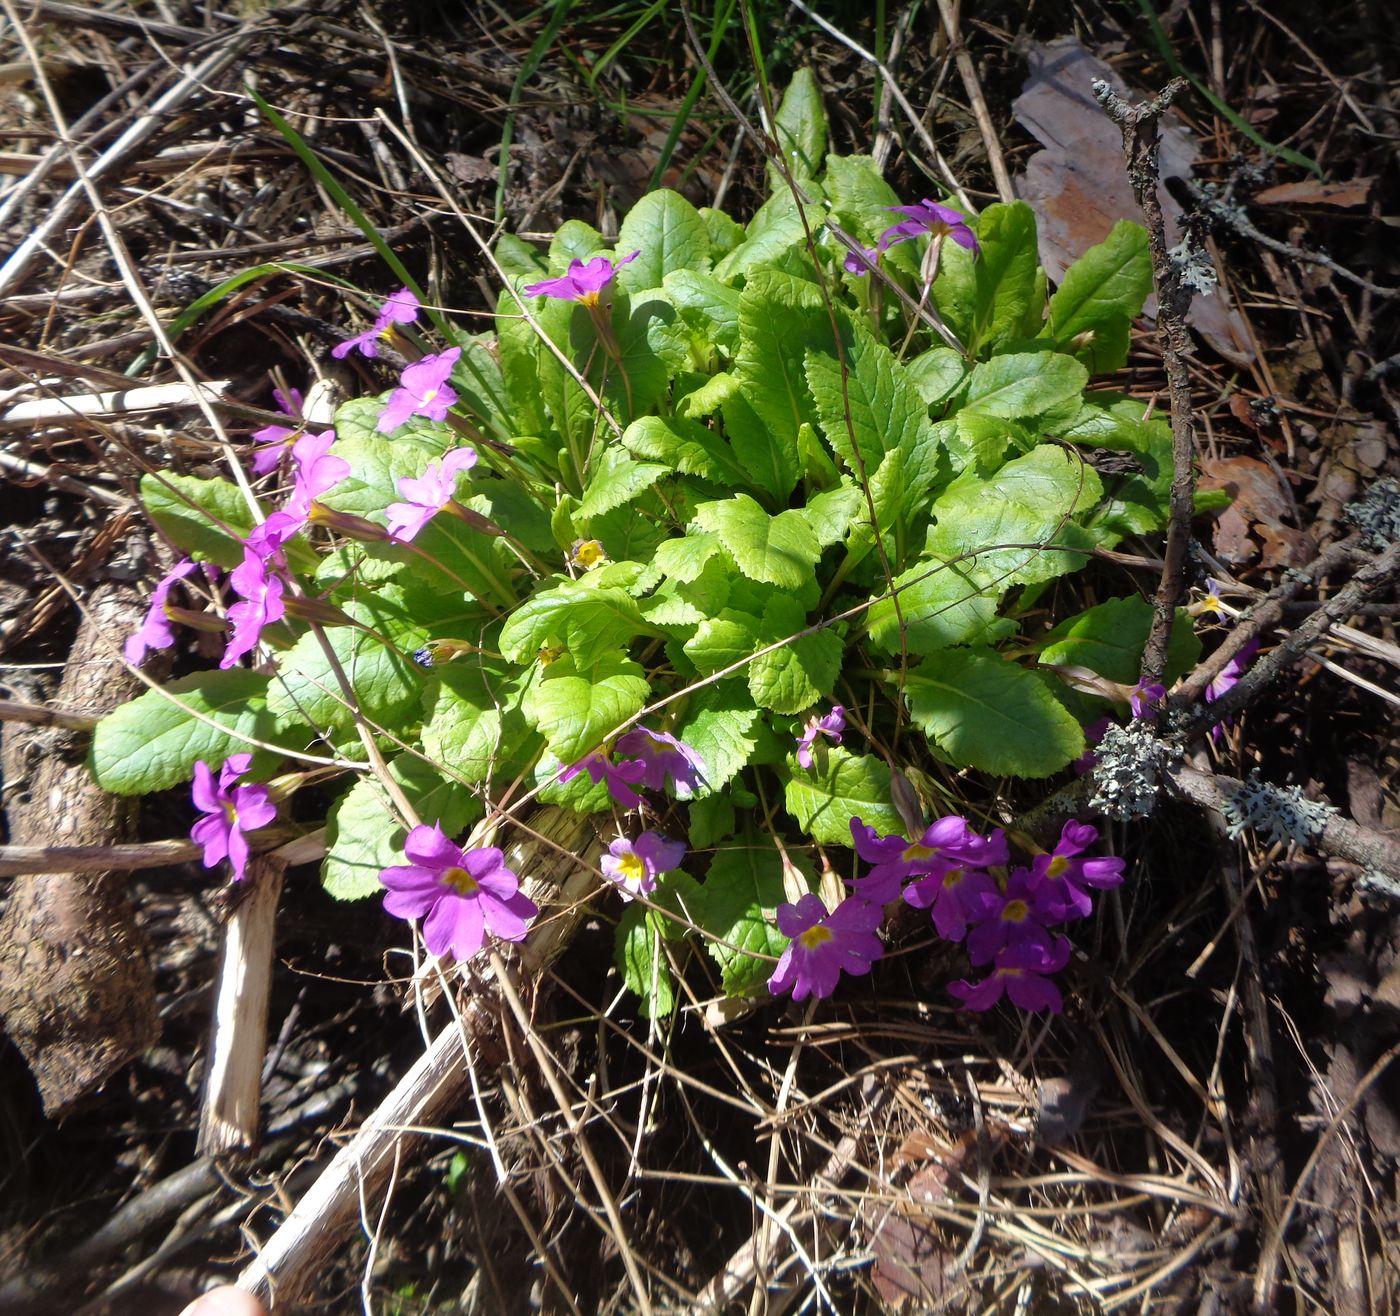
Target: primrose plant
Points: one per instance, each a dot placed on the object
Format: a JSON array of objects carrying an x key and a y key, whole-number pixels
[{"x": 713, "y": 535}]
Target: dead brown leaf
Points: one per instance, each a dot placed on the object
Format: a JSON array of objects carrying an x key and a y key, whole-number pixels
[
  {"x": 1315, "y": 192},
  {"x": 1252, "y": 531},
  {"x": 1078, "y": 185}
]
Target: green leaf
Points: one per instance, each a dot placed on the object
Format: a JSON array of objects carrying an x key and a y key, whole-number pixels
[
  {"x": 684, "y": 559},
  {"x": 1005, "y": 272},
  {"x": 725, "y": 233},
  {"x": 385, "y": 683},
  {"x": 717, "y": 725},
  {"x": 776, "y": 228},
  {"x": 1109, "y": 639},
  {"x": 707, "y": 305},
  {"x": 800, "y": 128},
  {"x": 204, "y": 518},
  {"x": 1027, "y": 506},
  {"x": 777, "y": 550},
  {"x": 743, "y": 886},
  {"x": 574, "y": 240},
  {"x": 684, "y": 446},
  {"x": 1024, "y": 384},
  {"x": 588, "y": 623},
  {"x": 472, "y": 720},
  {"x": 1100, "y": 295},
  {"x": 989, "y": 714},
  {"x": 779, "y": 319},
  {"x": 825, "y": 797},
  {"x": 616, "y": 481},
  {"x": 711, "y": 820},
  {"x": 886, "y": 413},
  {"x": 576, "y": 711},
  {"x": 640, "y": 932},
  {"x": 937, "y": 373},
  {"x": 153, "y": 742},
  {"x": 723, "y": 640},
  {"x": 941, "y": 605},
  {"x": 772, "y": 464},
  {"x": 364, "y": 834},
  {"x": 793, "y": 678},
  {"x": 669, "y": 233}
]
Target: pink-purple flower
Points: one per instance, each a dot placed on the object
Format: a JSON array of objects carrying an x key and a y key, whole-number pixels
[
  {"x": 260, "y": 593},
  {"x": 641, "y": 758},
  {"x": 1020, "y": 971},
  {"x": 155, "y": 631},
  {"x": 1061, "y": 877},
  {"x": 316, "y": 472},
  {"x": 895, "y": 858},
  {"x": 459, "y": 894},
  {"x": 583, "y": 283},
  {"x": 831, "y": 726},
  {"x": 1145, "y": 700},
  {"x": 423, "y": 391},
  {"x": 1229, "y": 677},
  {"x": 276, "y": 438},
  {"x": 400, "y": 308},
  {"x": 824, "y": 946},
  {"x": 929, "y": 217},
  {"x": 956, "y": 895},
  {"x": 861, "y": 262},
  {"x": 230, "y": 811},
  {"x": 428, "y": 494},
  {"x": 634, "y": 866},
  {"x": 1018, "y": 914}
]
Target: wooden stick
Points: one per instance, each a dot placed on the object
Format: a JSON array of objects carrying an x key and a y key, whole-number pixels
[
  {"x": 559, "y": 877},
  {"x": 229, "y": 1117}
]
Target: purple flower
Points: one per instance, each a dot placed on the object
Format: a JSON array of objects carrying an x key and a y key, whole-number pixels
[
  {"x": 957, "y": 896},
  {"x": 824, "y": 946},
  {"x": 428, "y": 495},
  {"x": 1060, "y": 877},
  {"x": 1010, "y": 919},
  {"x": 276, "y": 437},
  {"x": 231, "y": 812},
  {"x": 929, "y": 217},
  {"x": 317, "y": 472},
  {"x": 583, "y": 283},
  {"x": 621, "y": 777},
  {"x": 261, "y": 593},
  {"x": 155, "y": 631},
  {"x": 861, "y": 262},
  {"x": 645, "y": 759},
  {"x": 662, "y": 755},
  {"x": 1146, "y": 700},
  {"x": 635, "y": 866},
  {"x": 1229, "y": 677},
  {"x": 1021, "y": 973},
  {"x": 460, "y": 895},
  {"x": 950, "y": 838},
  {"x": 831, "y": 726},
  {"x": 401, "y": 308},
  {"x": 423, "y": 391}
]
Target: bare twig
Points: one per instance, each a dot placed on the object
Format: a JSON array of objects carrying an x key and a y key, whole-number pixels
[{"x": 1138, "y": 124}]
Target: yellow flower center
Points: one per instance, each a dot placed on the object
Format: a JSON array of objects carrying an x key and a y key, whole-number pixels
[
  {"x": 429, "y": 395},
  {"x": 630, "y": 868},
  {"x": 461, "y": 881},
  {"x": 814, "y": 937},
  {"x": 1015, "y": 911},
  {"x": 588, "y": 299},
  {"x": 589, "y": 553},
  {"x": 550, "y": 653},
  {"x": 953, "y": 877},
  {"x": 1058, "y": 866},
  {"x": 230, "y": 811},
  {"x": 916, "y": 852}
]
